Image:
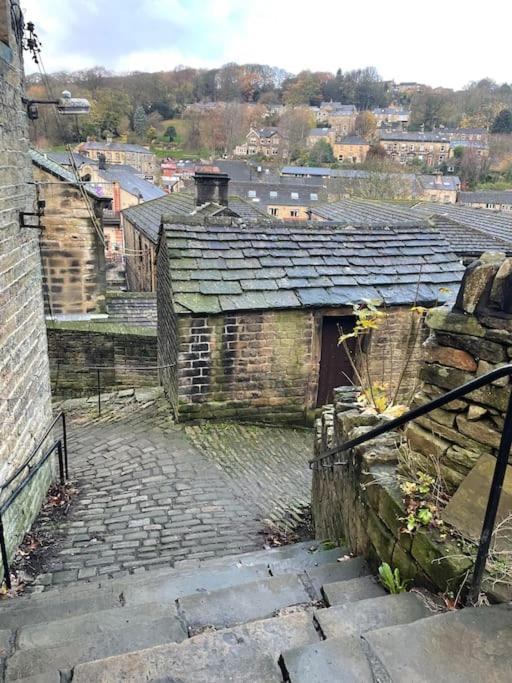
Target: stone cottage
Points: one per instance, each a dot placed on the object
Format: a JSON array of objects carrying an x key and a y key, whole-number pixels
[
  {"x": 250, "y": 314},
  {"x": 72, "y": 240}
]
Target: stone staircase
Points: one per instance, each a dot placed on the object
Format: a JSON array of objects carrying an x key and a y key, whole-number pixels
[{"x": 296, "y": 613}]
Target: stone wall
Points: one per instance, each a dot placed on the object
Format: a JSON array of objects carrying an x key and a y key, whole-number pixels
[
  {"x": 25, "y": 406},
  {"x": 360, "y": 504},
  {"x": 130, "y": 353},
  {"x": 72, "y": 250},
  {"x": 466, "y": 341},
  {"x": 265, "y": 364},
  {"x": 247, "y": 365},
  {"x": 139, "y": 259}
]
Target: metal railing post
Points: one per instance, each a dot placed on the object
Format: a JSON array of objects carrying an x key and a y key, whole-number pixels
[
  {"x": 3, "y": 553},
  {"x": 98, "y": 387},
  {"x": 65, "y": 444},
  {"x": 61, "y": 462},
  {"x": 492, "y": 504}
]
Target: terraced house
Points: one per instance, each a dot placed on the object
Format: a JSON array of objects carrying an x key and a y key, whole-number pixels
[{"x": 268, "y": 142}]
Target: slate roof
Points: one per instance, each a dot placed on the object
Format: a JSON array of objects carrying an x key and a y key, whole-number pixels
[
  {"x": 64, "y": 158},
  {"x": 468, "y": 242},
  {"x": 494, "y": 224},
  {"x": 353, "y": 140},
  {"x": 130, "y": 180},
  {"x": 147, "y": 216},
  {"x": 486, "y": 197},
  {"x": 365, "y": 212},
  {"x": 42, "y": 161},
  {"x": 445, "y": 182},
  {"x": 319, "y": 132},
  {"x": 414, "y": 136},
  {"x": 225, "y": 266},
  {"x": 279, "y": 193},
  {"x": 115, "y": 147}
]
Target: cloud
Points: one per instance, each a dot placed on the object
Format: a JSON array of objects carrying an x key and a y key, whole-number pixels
[{"x": 445, "y": 47}]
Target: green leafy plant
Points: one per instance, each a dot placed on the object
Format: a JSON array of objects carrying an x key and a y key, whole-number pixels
[{"x": 391, "y": 579}]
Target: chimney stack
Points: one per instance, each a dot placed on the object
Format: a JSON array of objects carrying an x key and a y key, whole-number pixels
[
  {"x": 102, "y": 162},
  {"x": 211, "y": 186}
]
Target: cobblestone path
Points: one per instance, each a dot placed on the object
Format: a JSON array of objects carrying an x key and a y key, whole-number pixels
[{"x": 149, "y": 497}]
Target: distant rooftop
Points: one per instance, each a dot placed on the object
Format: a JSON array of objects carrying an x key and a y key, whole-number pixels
[
  {"x": 130, "y": 181},
  {"x": 115, "y": 146},
  {"x": 486, "y": 197},
  {"x": 42, "y": 161}
]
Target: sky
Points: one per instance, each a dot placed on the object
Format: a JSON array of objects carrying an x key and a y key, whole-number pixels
[{"x": 438, "y": 43}]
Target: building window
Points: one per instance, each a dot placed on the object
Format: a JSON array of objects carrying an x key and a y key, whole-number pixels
[
  {"x": 294, "y": 213},
  {"x": 272, "y": 193},
  {"x": 272, "y": 211},
  {"x": 313, "y": 196},
  {"x": 251, "y": 193},
  {"x": 294, "y": 195}
]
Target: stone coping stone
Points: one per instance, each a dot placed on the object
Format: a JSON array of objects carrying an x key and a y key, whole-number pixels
[
  {"x": 131, "y": 638},
  {"x": 343, "y": 570},
  {"x": 467, "y": 646},
  {"x": 366, "y": 615},
  {"x": 101, "y": 328},
  {"x": 341, "y": 592},
  {"x": 95, "y": 624},
  {"x": 337, "y": 659},
  {"x": 466, "y": 509},
  {"x": 240, "y": 604},
  {"x": 245, "y": 654}
]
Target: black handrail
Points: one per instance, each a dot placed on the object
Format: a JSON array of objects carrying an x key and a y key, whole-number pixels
[
  {"x": 499, "y": 469},
  {"x": 60, "y": 445}
]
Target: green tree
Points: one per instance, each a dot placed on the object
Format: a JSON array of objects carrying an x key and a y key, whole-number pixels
[
  {"x": 503, "y": 122},
  {"x": 321, "y": 153},
  {"x": 171, "y": 133},
  {"x": 140, "y": 121},
  {"x": 107, "y": 113}
]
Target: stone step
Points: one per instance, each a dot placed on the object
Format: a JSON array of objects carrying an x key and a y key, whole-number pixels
[
  {"x": 27, "y": 662},
  {"x": 240, "y": 604},
  {"x": 468, "y": 646},
  {"x": 332, "y": 572},
  {"x": 352, "y": 590},
  {"x": 355, "y": 618},
  {"x": 99, "y": 623},
  {"x": 57, "y": 605},
  {"x": 243, "y": 654},
  {"x": 337, "y": 660},
  {"x": 304, "y": 559}
]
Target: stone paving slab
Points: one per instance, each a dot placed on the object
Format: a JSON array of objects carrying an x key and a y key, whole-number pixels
[
  {"x": 341, "y": 592},
  {"x": 245, "y": 654},
  {"x": 241, "y": 604},
  {"x": 153, "y": 497},
  {"x": 467, "y": 646}
]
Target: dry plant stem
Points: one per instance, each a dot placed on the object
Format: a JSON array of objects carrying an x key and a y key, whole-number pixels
[
  {"x": 368, "y": 374},
  {"x": 353, "y": 365}
]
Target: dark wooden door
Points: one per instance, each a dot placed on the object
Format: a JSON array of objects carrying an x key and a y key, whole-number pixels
[{"x": 335, "y": 367}]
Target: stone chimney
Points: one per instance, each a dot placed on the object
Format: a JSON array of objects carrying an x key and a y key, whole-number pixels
[
  {"x": 211, "y": 186},
  {"x": 102, "y": 162}
]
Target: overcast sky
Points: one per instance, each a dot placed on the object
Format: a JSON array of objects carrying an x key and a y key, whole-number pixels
[{"x": 438, "y": 43}]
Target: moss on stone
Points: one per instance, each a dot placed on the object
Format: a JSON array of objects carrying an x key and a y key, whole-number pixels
[{"x": 105, "y": 328}]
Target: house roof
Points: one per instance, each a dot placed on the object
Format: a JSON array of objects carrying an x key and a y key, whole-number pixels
[
  {"x": 486, "y": 197},
  {"x": 414, "y": 136},
  {"x": 115, "y": 147},
  {"x": 130, "y": 181},
  {"x": 494, "y": 224},
  {"x": 465, "y": 241},
  {"x": 279, "y": 193},
  {"x": 339, "y": 109},
  {"x": 147, "y": 216},
  {"x": 319, "y": 132},
  {"x": 226, "y": 266},
  {"x": 439, "y": 182},
  {"x": 365, "y": 212},
  {"x": 50, "y": 166},
  {"x": 266, "y": 132},
  {"x": 64, "y": 158},
  {"x": 353, "y": 140}
]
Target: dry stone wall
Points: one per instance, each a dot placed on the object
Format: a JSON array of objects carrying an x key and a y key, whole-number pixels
[{"x": 467, "y": 340}]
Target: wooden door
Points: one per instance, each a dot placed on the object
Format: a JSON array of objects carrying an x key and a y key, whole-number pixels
[{"x": 335, "y": 367}]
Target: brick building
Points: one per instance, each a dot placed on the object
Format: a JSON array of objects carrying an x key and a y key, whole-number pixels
[
  {"x": 250, "y": 314},
  {"x": 25, "y": 406},
  {"x": 72, "y": 242}
]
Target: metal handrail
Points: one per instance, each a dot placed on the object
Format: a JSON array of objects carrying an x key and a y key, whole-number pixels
[
  {"x": 499, "y": 468},
  {"x": 59, "y": 445}
]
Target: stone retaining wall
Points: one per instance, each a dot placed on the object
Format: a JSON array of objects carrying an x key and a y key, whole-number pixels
[
  {"x": 360, "y": 504},
  {"x": 75, "y": 346},
  {"x": 467, "y": 340}
]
